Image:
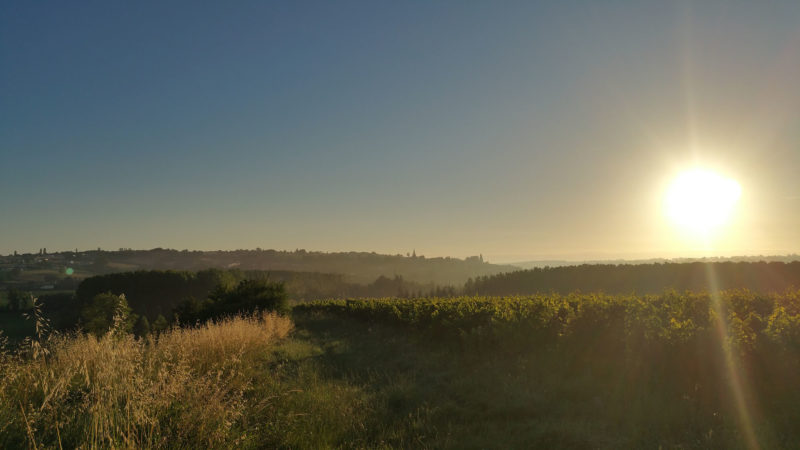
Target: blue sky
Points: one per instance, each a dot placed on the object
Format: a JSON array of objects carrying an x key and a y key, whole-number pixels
[{"x": 517, "y": 130}]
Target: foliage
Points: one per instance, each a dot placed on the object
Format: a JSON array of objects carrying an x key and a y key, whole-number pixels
[
  {"x": 160, "y": 324},
  {"x": 14, "y": 326},
  {"x": 246, "y": 297},
  {"x": 104, "y": 310},
  {"x": 142, "y": 326},
  {"x": 548, "y": 371},
  {"x": 155, "y": 292},
  {"x": 761, "y": 277},
  {"x": 669, "y": 319},
  {"x": 63, "y": 310},
  {"x": 696, "y": 345},
  {"x": 18, "y": 300}
]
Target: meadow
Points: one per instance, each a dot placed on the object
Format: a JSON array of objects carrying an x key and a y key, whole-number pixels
[{"x": 674, "y": 370}]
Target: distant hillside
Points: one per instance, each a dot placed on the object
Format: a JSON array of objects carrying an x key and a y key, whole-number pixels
[
  {"x": 642, "y": 278},
  {"x": 563, "y": 262},
  {"x": 358, "y": 267}
]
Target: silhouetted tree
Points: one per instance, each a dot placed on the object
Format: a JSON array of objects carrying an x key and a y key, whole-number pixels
[
  {"x": 142, "y": 327},
  {"x": 189, "y": 311},
  {"x": 17, "y": 299},
  {"x": 98, "y": 316},
  {"x": 642, "y": 278},
  {"x": 160, "y": 324},
  {"x": 245, "y": 297}
]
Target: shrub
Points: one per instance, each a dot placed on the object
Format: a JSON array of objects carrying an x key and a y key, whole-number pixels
[
  {"x": 244, "y": 298},
  {"x": 99, "y": 315}
]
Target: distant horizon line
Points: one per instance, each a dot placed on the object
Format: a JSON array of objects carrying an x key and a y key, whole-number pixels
[{"x": 511, "y": 262}]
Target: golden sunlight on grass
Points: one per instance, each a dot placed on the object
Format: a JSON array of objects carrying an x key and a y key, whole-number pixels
[
  {"x": 120, "y": 391},
  {"x": 205, "y": 346}
]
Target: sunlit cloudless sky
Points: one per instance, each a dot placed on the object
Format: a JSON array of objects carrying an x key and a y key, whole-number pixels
[{"x": 517, "y": 130}]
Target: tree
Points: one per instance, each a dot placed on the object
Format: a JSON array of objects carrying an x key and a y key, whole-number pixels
[
  {"x": 61, "y": 309},
  {"x": 245, "y": 297},
  {"x": 17, "y": 299},
  {"x": 142, "y": 327},
  {"x": 104, "y": 311},
  {"x": 189, "y": 311},
  {"x": 160, "y": 324},
  {"x": 248, "y": 296}
]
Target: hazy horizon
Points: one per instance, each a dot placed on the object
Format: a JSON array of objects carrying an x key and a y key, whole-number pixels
[
  {"x": 501, "y": 259},
  {"x": 454, "y": 129}
]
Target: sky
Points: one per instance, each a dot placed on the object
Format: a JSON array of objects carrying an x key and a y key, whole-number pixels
[{"x": 516, "y": 130}]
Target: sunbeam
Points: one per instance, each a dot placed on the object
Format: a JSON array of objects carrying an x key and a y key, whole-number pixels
[{"x": 735, "y": 378}]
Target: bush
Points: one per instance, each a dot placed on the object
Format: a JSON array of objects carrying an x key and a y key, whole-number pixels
[
  {"x": 18, "y": 300},
  {"x": 100, "y": 314},
  {"x": 244, "y": 298}
]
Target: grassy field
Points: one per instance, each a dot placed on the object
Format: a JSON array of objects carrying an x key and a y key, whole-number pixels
[{"x": 586, "y": 371}]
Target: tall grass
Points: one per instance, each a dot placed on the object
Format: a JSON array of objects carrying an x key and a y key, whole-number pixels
[{"x": 185, "y": 387}]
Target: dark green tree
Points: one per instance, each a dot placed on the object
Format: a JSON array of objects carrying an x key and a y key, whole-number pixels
[
  {"x": 248, "y": 296},
  {"x": 17, "y": 299},
  {"x": 100, "y": 314},
  {"x": 190, "y": 310},
  {"x": 142, "y": 327},
  {"x": 245, "y": 297},
  {"x": 160, "y": 324}
]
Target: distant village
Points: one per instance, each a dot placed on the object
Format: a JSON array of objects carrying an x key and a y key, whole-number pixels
[
  {"x": 64, "y": 270},
  {"x": 43, "y": 271}
]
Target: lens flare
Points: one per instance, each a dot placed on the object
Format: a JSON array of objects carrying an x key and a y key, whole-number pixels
[{"x": 735, "y": 378}]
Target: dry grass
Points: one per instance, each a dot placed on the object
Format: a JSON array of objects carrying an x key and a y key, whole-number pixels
[
  {"x": 210, "y": 344},
  {"x": 184, "y": 388}
]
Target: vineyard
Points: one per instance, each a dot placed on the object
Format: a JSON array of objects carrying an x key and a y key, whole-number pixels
[
  {"x": 752, "y": 322},
  {"x": 710, "y": 366}
]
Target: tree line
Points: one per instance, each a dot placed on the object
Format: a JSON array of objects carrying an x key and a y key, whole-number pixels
[
  {"x": 641, "y": 278},
  {"x": 153, "y": 299},
  {"x": 158, "y": 297}
]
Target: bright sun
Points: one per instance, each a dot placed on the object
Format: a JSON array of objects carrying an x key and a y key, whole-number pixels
[{"x": 700, "y": 200}]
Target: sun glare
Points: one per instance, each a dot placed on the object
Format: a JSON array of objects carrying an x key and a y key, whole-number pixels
[{"x": 700, "y": 200}]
